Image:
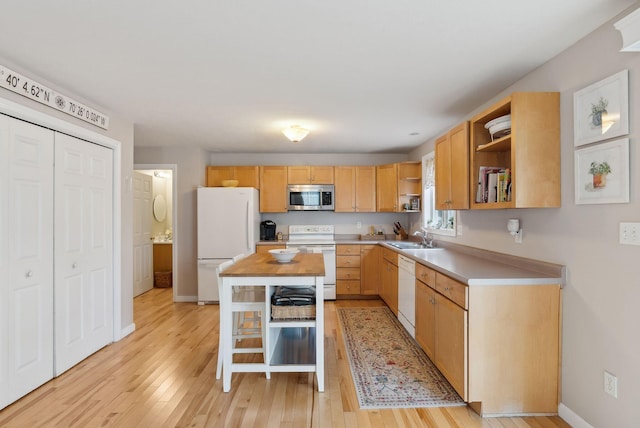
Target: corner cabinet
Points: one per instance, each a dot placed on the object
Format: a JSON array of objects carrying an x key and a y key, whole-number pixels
[
  {"x": 273, "y": 189},
  {"x": 452, "y": 169},
  {"x": 531, "y": 152},
  {"x": 397, "y": 185}
]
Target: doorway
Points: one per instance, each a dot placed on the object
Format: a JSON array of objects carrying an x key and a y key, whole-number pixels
[{"x": 155, "y": 239}]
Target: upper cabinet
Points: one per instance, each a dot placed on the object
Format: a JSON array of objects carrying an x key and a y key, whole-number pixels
[
  {"x": 399, "y": 187},
  {"x": 529, "y": 156},
  {"x": 310, "y": 174},
  {"x": 452, "y": 169},
  {"x": 355, "y": 188},
  {"x": 273, "y": 189},
  {"x": 247, "y": 176}
]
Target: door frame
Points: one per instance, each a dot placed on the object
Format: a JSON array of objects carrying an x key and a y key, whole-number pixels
[
  {"x": 39, "y": 118},
  {"x": 174, "y": 215}
]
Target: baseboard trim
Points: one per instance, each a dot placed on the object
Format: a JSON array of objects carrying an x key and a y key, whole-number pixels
[
  {"x": 186, "y": 299},
  {"x": 571, "y": 417},
  {"x": 127, "y": 331}
]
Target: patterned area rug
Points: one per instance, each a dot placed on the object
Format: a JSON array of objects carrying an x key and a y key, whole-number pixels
[{"x": 389, "y": 369}]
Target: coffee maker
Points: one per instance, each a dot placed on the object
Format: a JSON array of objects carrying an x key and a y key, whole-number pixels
[{"x": 267, "y": 231}]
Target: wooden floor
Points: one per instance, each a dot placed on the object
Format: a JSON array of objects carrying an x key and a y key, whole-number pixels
[{"x": 164, "y": 375}]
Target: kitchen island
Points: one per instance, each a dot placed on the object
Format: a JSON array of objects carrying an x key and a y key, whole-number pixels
[{"x": 283, "y": 339}]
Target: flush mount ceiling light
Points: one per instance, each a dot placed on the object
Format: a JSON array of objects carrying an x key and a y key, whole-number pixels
[{"x": 295, "y": 133}]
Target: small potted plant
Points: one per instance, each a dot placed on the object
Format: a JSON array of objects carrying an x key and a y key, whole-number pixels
[
  {"x": 599, "y": 170},
  {"x": 597, "y": 110}
]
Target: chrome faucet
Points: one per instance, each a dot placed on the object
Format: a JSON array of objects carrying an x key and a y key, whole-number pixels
[{"x": 427, "y": 238}]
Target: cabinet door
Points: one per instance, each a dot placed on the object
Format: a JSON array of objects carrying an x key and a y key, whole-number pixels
[
  {"x": 84, "y": 250},
  {"x": 247, "y": 176},
  {"x": 26, "y": 258},
  {"x": 390, "y": 285},
  {"x": 451, "y": 343},
  {"x": 215, "y": 175},
  {"x": 387, "y": 187},
  {"x": 273, "y": 189},
  {"x": 426, "y": 318},
  {"x": 345, "y": 189},
  {"x": 369, "y": 269},
  {"x": 365, "y": 190},
  {"x": 321, "y": 175},
  {"x": 298, "y": 174},
  {"x": 459, "y": 167},
  {"x": 443, "y": 173}
]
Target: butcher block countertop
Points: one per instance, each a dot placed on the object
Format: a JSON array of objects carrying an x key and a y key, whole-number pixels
[{"x": 263, "y": 264}]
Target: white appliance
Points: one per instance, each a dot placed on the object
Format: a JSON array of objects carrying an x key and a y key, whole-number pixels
[
  {"x": 407, "y": 294},
  {"x": 228, "y": 222},
  {"x": 317, "y": 239}
]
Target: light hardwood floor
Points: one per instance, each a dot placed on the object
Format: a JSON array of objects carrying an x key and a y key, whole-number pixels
[{"x": 164, "y": 375}]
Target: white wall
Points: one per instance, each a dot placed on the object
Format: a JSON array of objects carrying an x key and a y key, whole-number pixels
[
  {"x": 600, "y": 315},
  {"x": 120, "y": 130}
]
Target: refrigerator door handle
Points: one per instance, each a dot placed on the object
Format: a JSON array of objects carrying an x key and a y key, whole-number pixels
[{"x": 246, "y": 221}]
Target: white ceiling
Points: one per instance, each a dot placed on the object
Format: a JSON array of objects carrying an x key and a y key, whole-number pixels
[{"x": 227, "y": 76}]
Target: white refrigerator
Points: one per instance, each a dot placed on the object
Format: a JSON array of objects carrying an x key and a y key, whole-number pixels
[{"x": 228, "y": 222}]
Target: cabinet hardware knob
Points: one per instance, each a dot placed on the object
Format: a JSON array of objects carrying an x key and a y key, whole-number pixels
[
  {"x": 74, "y": 265},
  {"x": 446, "y": 288},
  {"x": 29, "y": 274}
]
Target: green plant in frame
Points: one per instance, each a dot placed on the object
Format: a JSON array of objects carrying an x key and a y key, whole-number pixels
[
  {"x": 599, "y": 170},
  {"x": 597, "y": 110}
]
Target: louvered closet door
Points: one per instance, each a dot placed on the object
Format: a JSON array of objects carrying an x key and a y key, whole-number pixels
[
  {"x": 26, "y": 258},
  {"x": 83, "y": 249}
]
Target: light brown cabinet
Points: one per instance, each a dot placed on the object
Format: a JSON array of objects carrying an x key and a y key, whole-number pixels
[
  {"x": 355, "y": 188},
  {"x": 487, "y": 341},
  {"x": 452, "y": 169},
  {"x": 273, "y": 189},
  {"x": 387, "y": 187},
  {"x": 310, "y": 174},
  {"x": 264, "y": 248},
  {"x": 369, "y": 269},
  {"x": 347, "y": 269},
  {"x": 397, "y": 185},
  {"x": 389, "y": 286},
  {"x": 531, "y": 151},
  {"x": 247, "y": 176}
]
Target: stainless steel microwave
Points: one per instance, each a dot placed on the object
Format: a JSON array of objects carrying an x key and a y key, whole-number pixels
[{"x": 310, "y": 197}]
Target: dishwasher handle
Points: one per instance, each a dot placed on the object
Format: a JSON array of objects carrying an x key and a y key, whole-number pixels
[{"x": 406, "y": 264}]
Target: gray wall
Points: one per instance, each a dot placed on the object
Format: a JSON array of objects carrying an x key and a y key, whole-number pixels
[
  {"x": 600, "y": 315},
  {"x": 120, "y": 130}
]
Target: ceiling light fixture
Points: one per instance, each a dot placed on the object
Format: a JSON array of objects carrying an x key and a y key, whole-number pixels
[{"x": 295, "y": 133}]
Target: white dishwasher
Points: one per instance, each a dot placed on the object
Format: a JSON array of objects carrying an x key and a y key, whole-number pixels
[{"x": 407, "y": 294}]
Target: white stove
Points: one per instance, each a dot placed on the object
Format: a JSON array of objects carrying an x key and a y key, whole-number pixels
[{"x": 317, "y": 239}]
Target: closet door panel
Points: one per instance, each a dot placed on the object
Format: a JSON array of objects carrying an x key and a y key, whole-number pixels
[
  {"x": 84, "y": 250},
  {"x": 26, "y": 258}
]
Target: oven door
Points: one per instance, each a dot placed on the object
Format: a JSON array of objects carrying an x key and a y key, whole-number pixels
[{"x": 329, "y": 257}]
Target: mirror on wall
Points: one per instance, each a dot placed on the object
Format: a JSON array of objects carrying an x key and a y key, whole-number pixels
[{"x": 159, "y": 208}]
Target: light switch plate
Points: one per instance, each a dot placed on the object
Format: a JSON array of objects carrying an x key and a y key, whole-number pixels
[{"x": 630, "y": 233}]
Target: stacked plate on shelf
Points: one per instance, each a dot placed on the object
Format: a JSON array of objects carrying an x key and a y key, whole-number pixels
[{"x": 499, "y": 127}]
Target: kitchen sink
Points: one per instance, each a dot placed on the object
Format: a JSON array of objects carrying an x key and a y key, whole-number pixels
[{"x": 408, "y": 245}]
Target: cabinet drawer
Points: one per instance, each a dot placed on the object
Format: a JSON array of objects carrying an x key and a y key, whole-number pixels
[
  {"x": 390, "y": 255},
  {"x": 426, "y": 275},
  {"x": 347, "y": 250},
  {"x": 452, "y": 290},
  {"x": 348, "y": 273},
  {"x": 347, "y": 261},
  {"x": 347, "y": 286},
  {"x": 266, "y": 247}
]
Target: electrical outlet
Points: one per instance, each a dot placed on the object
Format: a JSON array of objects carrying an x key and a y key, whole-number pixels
[
  {"x": 359, "y": 225},
  {"x": 610, "y": 384},
  {"x": 630, "y": 233},
  {"x": 518, "y": 237}
]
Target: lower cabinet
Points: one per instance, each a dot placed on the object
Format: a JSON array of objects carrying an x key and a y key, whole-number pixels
[
  {"x": 497, "y": 345},
  {"x": 264, "y": 248},
  {"x": 389, "y": 290},
  {"x": 370, "y": 269}
]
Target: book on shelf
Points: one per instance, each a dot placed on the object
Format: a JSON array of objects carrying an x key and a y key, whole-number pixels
[{"x": 494, "y": 184}]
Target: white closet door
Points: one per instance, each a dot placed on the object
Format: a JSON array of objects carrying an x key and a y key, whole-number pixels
[
  {"x": 142, "y": 230},
  {"x": 84, "y": 250},
  {"x": 26, "y": 258}
]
